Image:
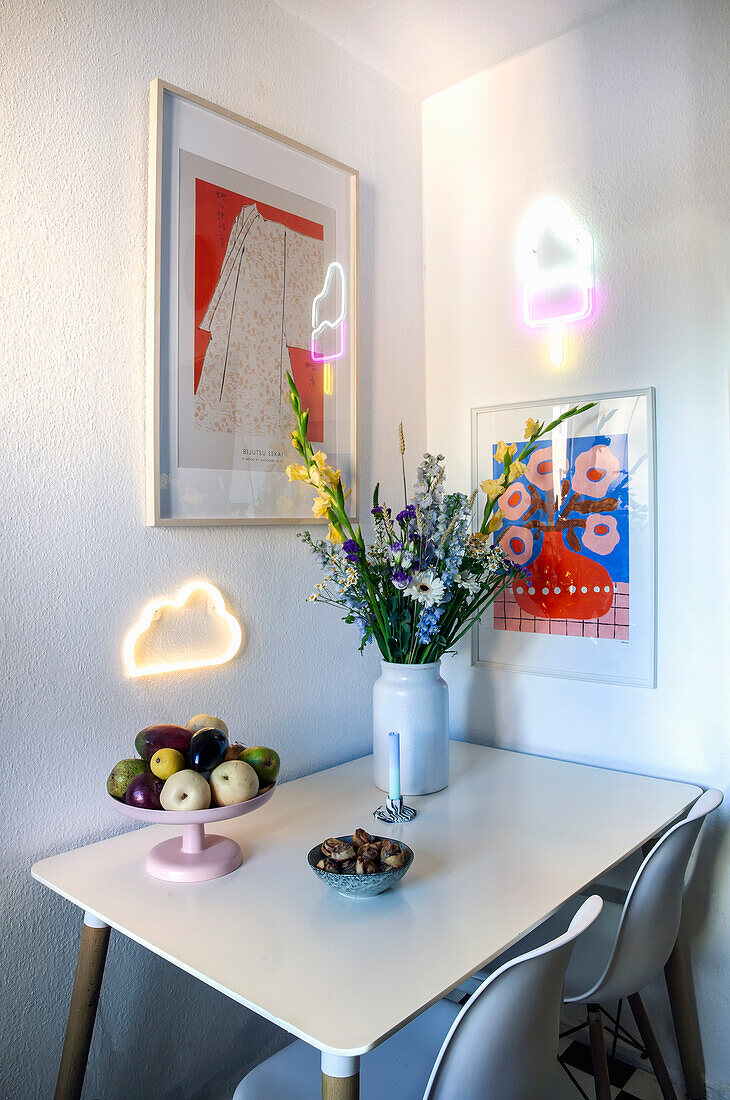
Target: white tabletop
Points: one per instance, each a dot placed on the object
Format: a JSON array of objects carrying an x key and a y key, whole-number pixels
[{"x": 510, "y": 840}]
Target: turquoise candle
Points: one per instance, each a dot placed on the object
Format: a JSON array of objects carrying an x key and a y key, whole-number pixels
[{"x": 394, "y": 765}]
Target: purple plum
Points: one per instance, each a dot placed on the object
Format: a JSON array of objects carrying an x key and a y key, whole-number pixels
[{"x": 144, "y": 792}]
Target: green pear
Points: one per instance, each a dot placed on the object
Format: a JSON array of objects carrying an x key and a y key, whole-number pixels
[
  {"x": 122, "y": 775},
  {"x": 265, "y": 762}
]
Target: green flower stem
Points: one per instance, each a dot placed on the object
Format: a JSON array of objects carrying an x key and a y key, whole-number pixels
[{"x": 527, "y": 450}]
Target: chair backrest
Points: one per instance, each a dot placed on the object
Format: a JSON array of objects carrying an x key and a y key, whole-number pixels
[
  {"x": 652, "y": 911},
  {"x": 504, "y": 1042}
]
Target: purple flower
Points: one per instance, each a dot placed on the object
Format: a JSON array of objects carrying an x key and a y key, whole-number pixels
[
  {"x": 396, "y": 547},
  {"x": 378, "y": 510},
  {"x": 408, "y": 513},
  {"x": 352, "y": 551},
  {"x": 400, "y": 578}
]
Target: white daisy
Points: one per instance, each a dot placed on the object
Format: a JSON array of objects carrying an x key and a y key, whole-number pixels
[
  {"x": 426, "y": 588},
  {"x": 471, "y": 584}
]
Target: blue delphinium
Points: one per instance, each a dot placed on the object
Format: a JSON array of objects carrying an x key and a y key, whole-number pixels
[{"x": 428, "y": 623}]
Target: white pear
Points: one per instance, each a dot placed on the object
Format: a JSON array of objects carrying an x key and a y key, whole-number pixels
[
  {"x": 233, "y": 781},
  {"x": 205, "y": 722},
  {"x": 185, "y": 790}
]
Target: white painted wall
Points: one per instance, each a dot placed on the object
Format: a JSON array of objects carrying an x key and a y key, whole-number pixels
[
  {"x": 78, "y": 561},
  {"x": 627, "y": 119}
]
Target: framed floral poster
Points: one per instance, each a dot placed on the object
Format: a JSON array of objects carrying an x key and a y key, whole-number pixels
[
  {"x": 252, "y": 275},
  {"x": 580, "y": 520}
]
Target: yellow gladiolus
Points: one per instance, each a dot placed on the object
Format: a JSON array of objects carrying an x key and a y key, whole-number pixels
[
  {"x": 320, "y": 460},
  {"x": 517, "y": 469},
  {"x": 295, "y": 472},
  {"x": 320, "y": 506},
  {"x": 531, "y": 428},
  {"x": 503, "y": 450},
  {"x": 495, "y": 521},
  {"x": 492, "y": 488},
  {"x": 333, "y": 534}
]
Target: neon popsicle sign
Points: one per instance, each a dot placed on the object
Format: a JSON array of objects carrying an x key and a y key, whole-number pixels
[
  {"x": 322, "y": 328},
  {"x": 556, "y": 266}
]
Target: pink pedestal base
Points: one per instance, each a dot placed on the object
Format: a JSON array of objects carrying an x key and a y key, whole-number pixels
[{"x": 194, "y": 857}]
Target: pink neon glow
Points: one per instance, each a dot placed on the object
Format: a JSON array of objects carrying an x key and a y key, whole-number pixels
[
  {"x": 318, "y": 357},
  {"x": 556, "y": 263}
]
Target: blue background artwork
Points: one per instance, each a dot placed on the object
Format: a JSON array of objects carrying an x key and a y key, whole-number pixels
[{"x": 617, "y": 562}]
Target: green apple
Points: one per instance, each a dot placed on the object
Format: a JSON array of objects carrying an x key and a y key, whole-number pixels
[
  {"x": 205, "y": 722},
  {"x": 265, "y": 762},
  {"x": 122, "y": 775}
]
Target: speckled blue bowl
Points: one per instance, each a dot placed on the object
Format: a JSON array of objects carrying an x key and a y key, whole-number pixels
[{"x": 361, "y": 886}]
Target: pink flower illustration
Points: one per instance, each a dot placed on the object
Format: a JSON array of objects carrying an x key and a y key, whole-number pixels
[
  {"x": 515, "y": 502},
  {"x": 595, "y": 469},
  {"x": 601, "y": 534},
  {"x": 517, "y": 544},
  {"x": 540, "y": 468}
]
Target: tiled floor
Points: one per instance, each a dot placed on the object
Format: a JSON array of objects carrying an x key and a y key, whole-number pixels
[{"x": 627, "y": 1083}]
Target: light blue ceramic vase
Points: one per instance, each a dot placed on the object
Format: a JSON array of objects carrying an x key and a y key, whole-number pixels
[{"x": 412, "y": 700}]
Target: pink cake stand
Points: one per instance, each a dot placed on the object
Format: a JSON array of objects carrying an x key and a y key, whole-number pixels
[{"x": 196, "y": 855}]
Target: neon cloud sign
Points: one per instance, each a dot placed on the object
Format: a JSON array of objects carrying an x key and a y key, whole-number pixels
[
  {"x": 556, "y": 267},
  {"x": 321, "y": 327},
  {"x": 216, "y": 606}
]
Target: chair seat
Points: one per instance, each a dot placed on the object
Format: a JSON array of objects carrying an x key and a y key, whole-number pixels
[
  {"x": 400, "y": 1066},
  {"x": 590, "y": 954}
]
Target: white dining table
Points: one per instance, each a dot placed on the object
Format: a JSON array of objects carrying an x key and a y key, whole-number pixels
[{"x": 510, "y": 840}]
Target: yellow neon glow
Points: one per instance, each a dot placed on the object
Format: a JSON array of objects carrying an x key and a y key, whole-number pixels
[
  {"x": 327, "y": 380},
  {"x": 153, "y": 609}
]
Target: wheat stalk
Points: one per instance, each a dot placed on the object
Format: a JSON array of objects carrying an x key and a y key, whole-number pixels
[{"x": 402, "y": 443}]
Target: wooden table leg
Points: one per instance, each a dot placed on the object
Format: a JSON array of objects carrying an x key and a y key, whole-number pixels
[
  {"x": 82, "y": 1011},
  {"x": 340, "y": 1077},
  {"x": 678, "y": 976}
]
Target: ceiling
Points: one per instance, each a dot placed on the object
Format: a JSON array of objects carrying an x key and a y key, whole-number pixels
[{"x": 427, "y": 45}]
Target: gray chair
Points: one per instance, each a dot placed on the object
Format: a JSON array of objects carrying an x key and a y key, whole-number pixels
[
  {"x": 630, "y": 944},
  {"x": 502, "y": 1043}
]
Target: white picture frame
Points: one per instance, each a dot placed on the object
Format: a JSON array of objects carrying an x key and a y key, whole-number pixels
[
  {"x": 252, "y": 273},
  {"x": 524, "y": 633}
]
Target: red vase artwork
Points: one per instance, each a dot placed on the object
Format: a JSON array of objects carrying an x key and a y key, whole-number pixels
[{"x": 573, "y": 542}]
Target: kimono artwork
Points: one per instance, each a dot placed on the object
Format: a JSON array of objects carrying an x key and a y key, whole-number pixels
[{"x": 260, "y": 309}]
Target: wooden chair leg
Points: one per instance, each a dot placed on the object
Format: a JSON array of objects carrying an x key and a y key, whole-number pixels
[
  {"x": 649, "y": 1040},
  {"x": 598, "y": 1053},
  {"x": 82, "y": 1010},
  {"x": 678, "y": 977}
]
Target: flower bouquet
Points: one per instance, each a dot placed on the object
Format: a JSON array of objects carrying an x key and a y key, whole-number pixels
[{"x": 419, "y": 586}]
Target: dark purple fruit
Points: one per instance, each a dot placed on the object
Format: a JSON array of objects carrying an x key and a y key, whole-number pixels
[
  {"x": 164, "y": 736},
  {"x": 207, "y": 749},
  {"x": 144, "y": 792}
]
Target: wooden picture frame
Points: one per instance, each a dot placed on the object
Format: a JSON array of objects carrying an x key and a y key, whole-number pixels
[{"x": 252, "y": 273}]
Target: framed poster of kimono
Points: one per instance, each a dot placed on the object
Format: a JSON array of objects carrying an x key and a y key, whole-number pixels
[
  {"x": 252, "y": 269},
  {"x": 581, "y": 522}
]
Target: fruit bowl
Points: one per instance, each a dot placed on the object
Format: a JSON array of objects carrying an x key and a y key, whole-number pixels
[
  {"x": 361, "y": 886},
  {"x": 196, "y": 855}
]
